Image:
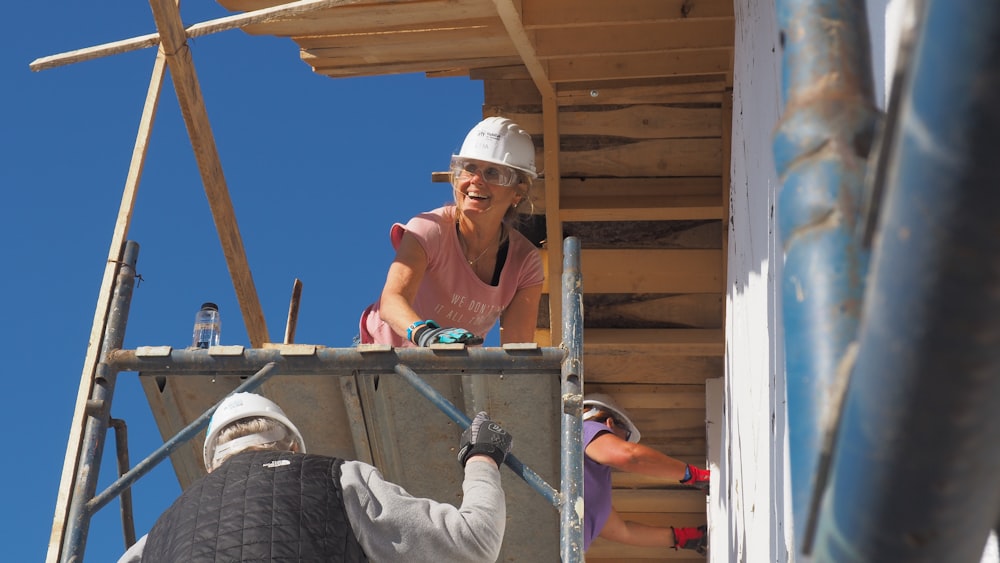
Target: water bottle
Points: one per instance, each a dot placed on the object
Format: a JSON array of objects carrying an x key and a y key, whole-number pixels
[{"x": 207, "y": 326}]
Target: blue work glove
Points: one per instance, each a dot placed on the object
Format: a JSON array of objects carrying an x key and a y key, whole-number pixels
[
  {"x": 437, "y": 335},
  {"x": 484, "y": 437}
]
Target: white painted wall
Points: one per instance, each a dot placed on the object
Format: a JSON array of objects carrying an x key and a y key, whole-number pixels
[{"x": 749, "y": 512}]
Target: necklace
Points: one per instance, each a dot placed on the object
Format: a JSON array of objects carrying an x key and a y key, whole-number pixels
[
  {"x": 465, "y": 246},
  {"x": 476, "y": 259}
]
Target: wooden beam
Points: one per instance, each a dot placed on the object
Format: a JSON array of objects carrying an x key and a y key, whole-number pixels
[
  {"x": 564, "y": 13},
  {"x": 659, "y": 501},
  {"x": 725, "y": 188},
  {"x": 642, "y": 65},
  {"x": 652, "y": 364},
  {"x": 620, "y": 194},
  {"x": 662, "y": 208},
  {"x": 205, "y": 28},
  {"x": 646, "y": 158},
  {"x": 72, "y": 459},
  {"x": 324, "y": 67},
  {"x": 182, "y": 73},
  {"x": 525, "y": 46},
  {"x": 374, "y": 16},
  {"x": 666, "y": 518},
  {"x": 660, "y": 397},
  {"x": 447, "y": 30},
  {"x": 647, "y": 271},
  {"x": 644, "y": 37},
  {"x": 419, "y": 54},
  {"x": 553, "y": 224},
  {"x": 498, "y": 72},
  {"x": 673, "y": 342},
  {"x": 653, "y": 310},
  {"x": 639, "y": 121},
  {"x": 659, "y": 90}
]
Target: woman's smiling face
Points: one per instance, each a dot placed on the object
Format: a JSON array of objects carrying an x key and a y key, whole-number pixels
[{"x": 473, "y": 193}]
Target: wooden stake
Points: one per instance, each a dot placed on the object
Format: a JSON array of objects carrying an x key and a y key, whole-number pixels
[
  {"x": 293, "y": 312},
  {"x": 182, "y": 73},
  {"x": 72, "y": 459}
]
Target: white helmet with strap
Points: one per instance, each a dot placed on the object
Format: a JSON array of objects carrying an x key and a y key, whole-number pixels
[
  {"x": 239, "y": 406},
  {"x": 500, "y": 141},
  {"x": 595, "y": 403}
]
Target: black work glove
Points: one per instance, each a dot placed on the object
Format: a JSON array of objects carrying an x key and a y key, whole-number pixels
[
  {"x": 484, "y": 437},
  {"x": 437, "y": 335}
]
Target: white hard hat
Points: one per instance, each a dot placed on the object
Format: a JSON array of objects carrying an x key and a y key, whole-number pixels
[
  {"x": 600, "y": 402},
  {"x": 500, "y": 141},
  {"x": 244, "y": 405}
]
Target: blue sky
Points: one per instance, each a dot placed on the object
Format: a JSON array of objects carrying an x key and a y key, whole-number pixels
[{"x": 318, "y": 169}]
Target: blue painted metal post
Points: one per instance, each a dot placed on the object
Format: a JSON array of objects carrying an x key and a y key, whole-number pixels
[
  {"x": 571, "y": 484},
  {"x": 820, "y": 149},
  {"x": 917, "y": 472}
]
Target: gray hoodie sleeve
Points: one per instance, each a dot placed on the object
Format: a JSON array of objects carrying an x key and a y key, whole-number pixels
[
  {"x": 393, "y": 525},
  {"x": 134, "y": 553}
]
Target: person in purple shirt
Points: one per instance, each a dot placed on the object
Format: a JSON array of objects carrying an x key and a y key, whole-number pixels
[{"x": 610, "y": 441}]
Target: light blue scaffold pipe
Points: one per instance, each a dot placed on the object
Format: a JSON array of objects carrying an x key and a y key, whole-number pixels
[
  {"x": 571, "y": 482},
  {"x": 916, "y": 475},
  {"x": 820, "y": 151}
]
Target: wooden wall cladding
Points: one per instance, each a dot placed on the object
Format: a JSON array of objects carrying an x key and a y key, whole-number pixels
[{"x": 641, "y": 187}]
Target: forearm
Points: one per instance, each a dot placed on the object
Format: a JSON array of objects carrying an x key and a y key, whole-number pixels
[
  {"x": 422, "y": 529},
  {"x": 521, "y": 317},
  {"x": 647, "y": 536},
  {"x": 619, "y": 530},
  {"x": 397, "y": 312},
  {"x": 511, "y": 333},
  {"x": 643, "y": 460},
  {"x": 484, "y": 507}
]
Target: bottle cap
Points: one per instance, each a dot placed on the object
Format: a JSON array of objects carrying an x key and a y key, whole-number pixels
[{"x": 209, "y": 305}]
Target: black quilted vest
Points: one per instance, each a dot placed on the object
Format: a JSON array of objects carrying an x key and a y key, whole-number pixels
[{"x": 259, "y": 506}]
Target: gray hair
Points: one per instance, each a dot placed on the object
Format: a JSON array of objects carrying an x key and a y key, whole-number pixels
[{"x": 267, "y": 433}]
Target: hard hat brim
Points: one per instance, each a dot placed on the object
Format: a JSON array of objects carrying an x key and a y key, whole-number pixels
[
  {"x": 531, "y": 173},
  {"x": 616, "y": 412}
]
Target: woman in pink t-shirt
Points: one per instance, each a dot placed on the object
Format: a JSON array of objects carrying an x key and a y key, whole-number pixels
[{"x": 461, "y": 267}]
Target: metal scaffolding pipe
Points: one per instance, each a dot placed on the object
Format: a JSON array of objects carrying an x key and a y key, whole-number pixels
[
  {"x": 121, "y": 449},
  {"x": 99, "y": 413},
  {"x": 820, "y": 150},
  {"x": 161, "y": 453},
  {"x": 571, "y": 480},
  {"x": 917, "y": 460}
]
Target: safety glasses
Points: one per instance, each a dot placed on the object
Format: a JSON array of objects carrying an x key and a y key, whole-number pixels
[
  {"x": 603, "y": 417},
  {"x": 628, "y": 433},
  {"x": 491, "y": 173}
]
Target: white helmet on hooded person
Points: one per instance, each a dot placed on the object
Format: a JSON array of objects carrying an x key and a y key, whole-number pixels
[
  {"x": 596, "y": 403},
  {"x": 237, "y": 407},
  {"x": 499, "y": 140}
]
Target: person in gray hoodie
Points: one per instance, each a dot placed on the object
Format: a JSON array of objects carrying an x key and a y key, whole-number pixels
[{"x": 265, "y": 499}]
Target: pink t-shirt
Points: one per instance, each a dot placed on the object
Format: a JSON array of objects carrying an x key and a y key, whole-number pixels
[{"x": 450, "y": 293}]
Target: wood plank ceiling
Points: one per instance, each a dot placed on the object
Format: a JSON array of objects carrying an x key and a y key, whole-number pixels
[{"x": 629, "y": 103}]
